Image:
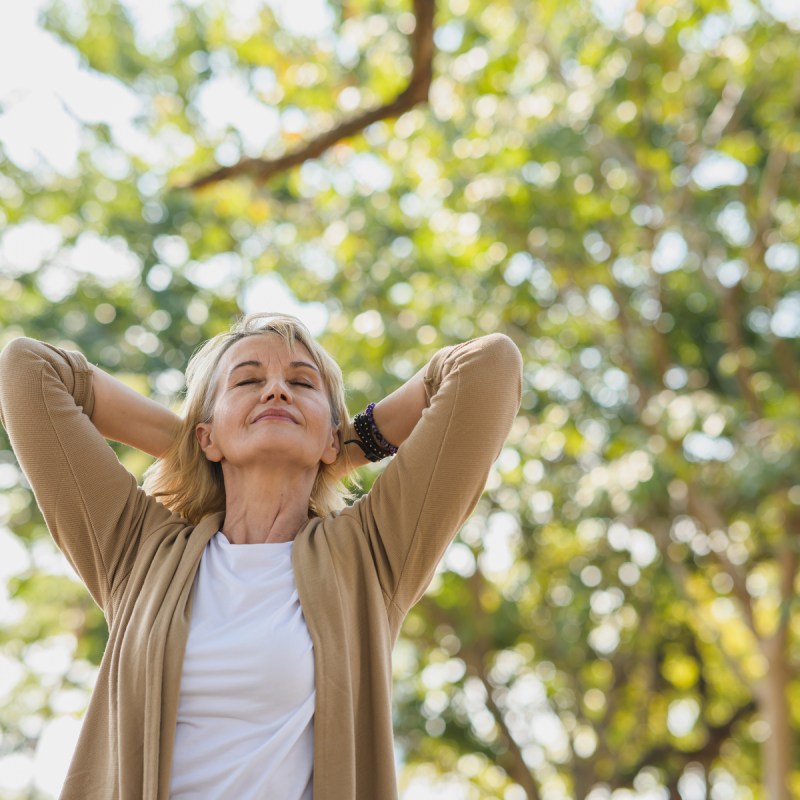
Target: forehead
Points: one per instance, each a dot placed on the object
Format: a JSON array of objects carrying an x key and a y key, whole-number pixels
[{"x": 264, "y": 348}]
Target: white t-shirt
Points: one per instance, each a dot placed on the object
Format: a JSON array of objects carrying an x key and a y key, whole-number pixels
[{"x": 246, "y": 708}]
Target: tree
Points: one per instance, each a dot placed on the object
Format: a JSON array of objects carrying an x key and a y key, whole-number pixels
[{"x": 615, "y": 188}]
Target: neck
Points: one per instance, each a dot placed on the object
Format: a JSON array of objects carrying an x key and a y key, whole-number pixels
[{"x": 265, "y": 505}]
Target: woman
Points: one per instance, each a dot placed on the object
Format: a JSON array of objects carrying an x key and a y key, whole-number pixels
[{"x": 251, "y": 612}]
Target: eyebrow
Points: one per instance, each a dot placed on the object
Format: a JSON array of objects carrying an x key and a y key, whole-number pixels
[{"x": 259, "y": 364}]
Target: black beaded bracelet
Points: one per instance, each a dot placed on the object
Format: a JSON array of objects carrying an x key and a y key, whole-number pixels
[
  {"x": 376, "y": 434},
  {"x": 370, "y": 440}
]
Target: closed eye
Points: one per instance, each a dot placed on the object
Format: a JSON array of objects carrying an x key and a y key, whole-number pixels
[{"x": 296, "y": 383}]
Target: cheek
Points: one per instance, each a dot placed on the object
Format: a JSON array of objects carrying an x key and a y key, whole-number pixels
[
  {"x": 226, "y": 412},
  {"x": 324, "y": 414}
]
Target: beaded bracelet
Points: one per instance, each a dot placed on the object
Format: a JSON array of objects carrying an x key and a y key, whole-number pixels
[
  {"x": 370, "y": 440},
  {"x": 384, "y": 445}
]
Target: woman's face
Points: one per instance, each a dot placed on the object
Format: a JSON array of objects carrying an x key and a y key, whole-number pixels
[{"x": 270, "y": 403}]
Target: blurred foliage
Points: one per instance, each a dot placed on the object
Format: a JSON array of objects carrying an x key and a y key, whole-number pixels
[{"x": 613, "y": 185}]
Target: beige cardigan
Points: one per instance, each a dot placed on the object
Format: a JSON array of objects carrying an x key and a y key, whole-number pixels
[{"x": 358, "y": 571}]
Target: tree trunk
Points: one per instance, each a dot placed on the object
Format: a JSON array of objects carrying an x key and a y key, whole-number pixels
[{"x": 774, "y": 701}]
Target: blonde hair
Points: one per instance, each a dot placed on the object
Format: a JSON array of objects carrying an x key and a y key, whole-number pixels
[{"x": 187, "y": 482}]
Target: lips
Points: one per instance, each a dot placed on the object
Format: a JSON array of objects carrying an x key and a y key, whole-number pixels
[{"x": 274, "y": 414}]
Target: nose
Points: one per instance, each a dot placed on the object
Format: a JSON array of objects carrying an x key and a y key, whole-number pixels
[{"x": 276, "y": 388}]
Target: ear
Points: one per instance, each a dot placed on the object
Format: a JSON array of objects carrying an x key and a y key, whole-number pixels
[
  {"x": 203, "y": 431},
  {"x": 331, "y": 452}
]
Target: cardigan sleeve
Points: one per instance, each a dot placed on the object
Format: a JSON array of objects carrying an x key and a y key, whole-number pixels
[
  {"x": 92, "y": 505},
  {"x": 419, "y": 502}
]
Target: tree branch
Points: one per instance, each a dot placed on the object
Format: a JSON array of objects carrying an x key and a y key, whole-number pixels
[
  {"x": 515, "y": 763},
  {"x": 774, "y": 169},
  {"x": 770, "y": 185},
  {"x": 732, "y": 314},
  {"x": 724, "y": 114},
  {"x": 474, "y": 655},
  {"x": 475, "y": 659},
  {"x": 680, "y": 575},
  {"x": 788, "y": 565},
  {"x": 705, "y": 753},
  {"x": 626, "y": 354},
  {"x": 710, "y": 518},
  {"x": 422, "y": 49},
  {"x": 764, "y": 209}
]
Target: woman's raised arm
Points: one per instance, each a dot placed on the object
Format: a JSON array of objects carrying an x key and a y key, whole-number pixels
[
  {"x": 128, "y": 417},
  {"x": 472, "y": 392},
  {"x": 396, "y": 416},
  {"x": 92, "y": 505}
]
